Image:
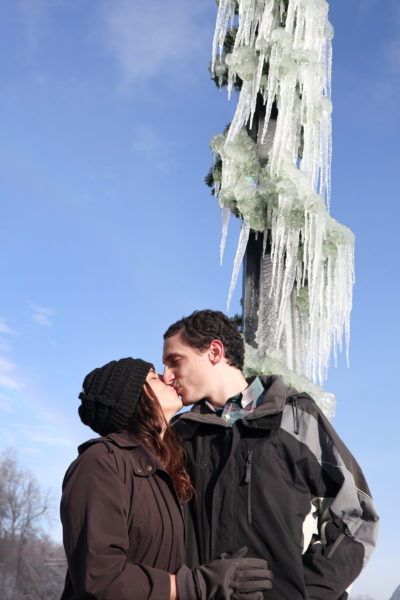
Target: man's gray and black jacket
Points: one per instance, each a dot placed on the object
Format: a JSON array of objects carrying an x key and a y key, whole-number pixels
[{"x": 281, "y": 482}]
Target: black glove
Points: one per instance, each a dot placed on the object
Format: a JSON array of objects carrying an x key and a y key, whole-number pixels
[{"x": 225, "y": 579}]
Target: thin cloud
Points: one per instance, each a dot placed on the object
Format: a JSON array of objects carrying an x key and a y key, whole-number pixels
[
  {"x": 8, "y": 377},
  {"x": 45, "y": 435},
  {"x": 5, "y": 404},
  {"x": 4, "y": 328},
  {"x": 8, "y": 438},
  {"x": 5, "y": 348},
  {"x": 152, "y": 39},
  {"x": 41, "y": 316},
  {"x": 10, "y": 382},
  {"x": 27, "y": 450},
  {"x": 5, "y": 407}
]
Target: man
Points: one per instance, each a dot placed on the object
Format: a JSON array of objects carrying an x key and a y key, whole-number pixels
[{"x": 269, "y": 470}]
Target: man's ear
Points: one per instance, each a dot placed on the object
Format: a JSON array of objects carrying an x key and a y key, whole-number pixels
[{"x": 216, "y": 351}]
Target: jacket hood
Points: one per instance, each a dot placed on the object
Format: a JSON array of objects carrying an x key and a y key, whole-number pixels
[
  {"x": 123, "y": 439},
  {"x": 144, "y": 460}
]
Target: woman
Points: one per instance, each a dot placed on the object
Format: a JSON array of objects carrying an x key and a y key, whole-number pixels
[{"x": 121, "y": 503}]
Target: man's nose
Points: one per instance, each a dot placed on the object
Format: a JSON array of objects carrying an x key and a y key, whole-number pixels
[{"x": 168, "y": 375}]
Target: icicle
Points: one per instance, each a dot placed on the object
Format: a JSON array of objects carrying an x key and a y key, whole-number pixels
[
  {"x": 287, "y": 283},
  {"x": 226, "y": 12},
  {"x": 242, "y": 113},
  {"x": 310, "y": 268},
  {"x": 225, "y": 214},
  {"x": 241, "y": 249}
]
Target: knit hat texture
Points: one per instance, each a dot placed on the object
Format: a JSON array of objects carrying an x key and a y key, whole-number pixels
[{"x": 110, "y": 394}]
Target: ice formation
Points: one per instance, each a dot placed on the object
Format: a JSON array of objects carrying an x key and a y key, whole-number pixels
[
  {"x": 278, "y": 182},
  {"x": 271, "y": 365}
]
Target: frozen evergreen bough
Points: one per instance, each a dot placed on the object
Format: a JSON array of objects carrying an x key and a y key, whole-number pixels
[{"x": 279, "y": 184}]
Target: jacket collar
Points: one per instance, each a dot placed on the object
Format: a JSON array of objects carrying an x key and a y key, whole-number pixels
[
  {"x": 122, "y": 439},
  {"x": 276, "y": 394},
  {"x": 273, "y": 403}
]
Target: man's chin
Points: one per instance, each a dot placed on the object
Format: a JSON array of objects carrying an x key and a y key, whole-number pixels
[{"x": 188, "y": 402}]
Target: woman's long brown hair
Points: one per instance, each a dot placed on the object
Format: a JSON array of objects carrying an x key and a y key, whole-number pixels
[{"x": 147, "y": 425}]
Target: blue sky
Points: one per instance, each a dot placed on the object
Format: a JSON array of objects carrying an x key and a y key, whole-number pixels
[{"x": 108, "y": 233}]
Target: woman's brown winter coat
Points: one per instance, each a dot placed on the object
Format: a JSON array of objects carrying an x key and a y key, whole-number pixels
[{"x": 122, "y": 523}]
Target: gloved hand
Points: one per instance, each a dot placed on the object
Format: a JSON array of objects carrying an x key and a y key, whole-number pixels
[{"x": 225, "y": 579}]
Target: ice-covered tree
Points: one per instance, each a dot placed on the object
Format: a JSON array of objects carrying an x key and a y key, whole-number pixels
[{"x": 271, "y": 168}]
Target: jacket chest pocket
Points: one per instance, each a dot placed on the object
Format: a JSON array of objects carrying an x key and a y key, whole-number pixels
[
  {"x": 252, "y": 465},
  {"x": 252, "y": 461}
]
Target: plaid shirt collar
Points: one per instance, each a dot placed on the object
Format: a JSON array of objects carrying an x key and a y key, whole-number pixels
[{"x": 242, "y": 404}]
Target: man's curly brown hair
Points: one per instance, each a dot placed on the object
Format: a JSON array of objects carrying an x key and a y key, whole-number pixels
[{"x": 203, "y": 326}]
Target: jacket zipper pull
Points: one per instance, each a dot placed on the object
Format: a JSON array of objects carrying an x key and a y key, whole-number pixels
[{"x": 247, "y": 477}]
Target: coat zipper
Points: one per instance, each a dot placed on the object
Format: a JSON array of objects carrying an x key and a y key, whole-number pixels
[{"x": 247, "y": 480}]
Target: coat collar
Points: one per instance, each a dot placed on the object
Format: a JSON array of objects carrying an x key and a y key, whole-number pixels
[
  {"x": 275, "y": 397},
  {"x": 273, "y": 403}
]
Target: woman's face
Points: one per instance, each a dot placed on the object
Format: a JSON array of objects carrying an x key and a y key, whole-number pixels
[{"x": 166, "y": 395}]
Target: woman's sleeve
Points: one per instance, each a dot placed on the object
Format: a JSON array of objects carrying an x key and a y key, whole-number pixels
[{"x": 95, "y": 506}]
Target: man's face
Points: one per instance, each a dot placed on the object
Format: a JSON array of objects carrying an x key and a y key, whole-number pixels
[{"x": 188, "y": 369}]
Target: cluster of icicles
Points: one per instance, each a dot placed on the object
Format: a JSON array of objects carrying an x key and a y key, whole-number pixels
[{"x": 283, "y": 51}]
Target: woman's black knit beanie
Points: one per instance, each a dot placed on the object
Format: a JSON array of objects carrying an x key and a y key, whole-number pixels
[{"x": 110, "y": 394}]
